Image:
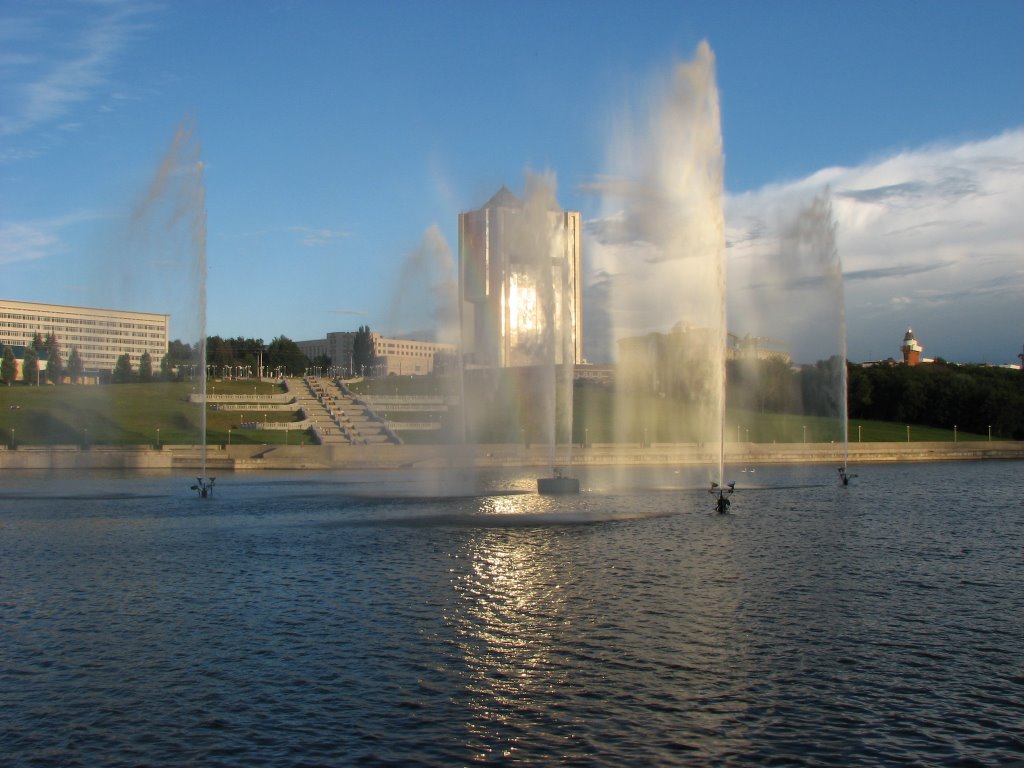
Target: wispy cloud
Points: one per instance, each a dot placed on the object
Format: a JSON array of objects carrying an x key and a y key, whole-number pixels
[
  {"x": 28, "y": 240},
  {"x": 314, "y": 237},
  {"x": 58, "y": 57}
]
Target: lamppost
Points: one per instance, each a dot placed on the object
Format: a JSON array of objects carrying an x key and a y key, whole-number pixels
[
  {"x": 12, "y": 438},
  {"x": 908, "y": 433},
  {"x": 954, "y": 433},
  {"x": 586, "y": 437},
  {"x": 990, "y": 433},
  {"x": 805, "y": 433},
  {"x": 858, "y": 433},
  {"x": 229, "y": 437},
  {"x": 158, "y": 437}
]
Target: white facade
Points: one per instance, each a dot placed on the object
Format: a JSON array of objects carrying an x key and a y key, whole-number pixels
[
  {"x": 402, "y": 357},
  {"x": 100, "y": 335}
]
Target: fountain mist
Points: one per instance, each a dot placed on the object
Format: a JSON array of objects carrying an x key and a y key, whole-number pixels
[
  {"x": 664, "y": 257},
  {"x": 788, "y": 292},
  {"x": 168, "y": 228}
]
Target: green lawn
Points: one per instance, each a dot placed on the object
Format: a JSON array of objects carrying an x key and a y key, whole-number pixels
[{"x": 131, "y": 414}]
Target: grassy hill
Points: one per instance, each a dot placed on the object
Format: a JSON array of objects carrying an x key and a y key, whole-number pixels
[
  {"x": 131, "y": 414},
  {"x": 127, "y": 414}
]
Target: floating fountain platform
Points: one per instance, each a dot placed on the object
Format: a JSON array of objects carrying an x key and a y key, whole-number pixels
[{"x": 558, "y": 485}]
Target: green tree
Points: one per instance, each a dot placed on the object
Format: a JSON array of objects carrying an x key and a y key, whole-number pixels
[
  {"x": 285, "y": 354},
  {"x": 37, "y": 342},
  {"x": 30, "y": 365},
  {"x": 145, "y": 368},
  {"x": 54, "y": 364},
  {"x": 179, "y": 352},
  {"x": 123, "y": 369},
  {"x": 362, "y": 351},
  {"x": 9, "y": 366},
  {"x": 219, "y": 354},
  {"x": 75, "y": 366}
]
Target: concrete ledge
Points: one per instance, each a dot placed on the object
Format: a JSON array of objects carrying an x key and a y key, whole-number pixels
[{"x": 389, "y": 456}]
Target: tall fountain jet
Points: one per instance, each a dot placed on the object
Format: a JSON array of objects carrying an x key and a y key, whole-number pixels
[
  {"x": 662, "y": 255},
  {"x": 168, "y": 229}
]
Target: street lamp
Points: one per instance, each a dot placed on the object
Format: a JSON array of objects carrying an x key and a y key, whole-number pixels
[
  {"x": 158, "y": 437},
  {"x": 12, "y": 438},
  {"x": 954, "y": 433},
  {"x": 908, "y": 433},
  {"x": 990, "y": 433},
  {"x": 805, "y": 433},
  {"x": 858, "y": 433},
  {"x": 229, "y": 437},
  {"x": 586, "y": 437}
]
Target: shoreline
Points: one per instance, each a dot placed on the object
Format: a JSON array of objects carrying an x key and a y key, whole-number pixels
[{"x": 243, "y": 458}]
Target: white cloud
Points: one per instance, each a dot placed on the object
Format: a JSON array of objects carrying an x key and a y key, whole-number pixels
[{"x": 932, "y": 238}]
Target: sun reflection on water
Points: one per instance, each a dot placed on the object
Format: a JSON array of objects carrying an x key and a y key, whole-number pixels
[{"x": 508, "y": 616}]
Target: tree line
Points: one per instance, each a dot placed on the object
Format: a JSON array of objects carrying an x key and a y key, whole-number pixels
[
  {"x": 225, "y": 357},
  {"x": 971, "y": 398}
]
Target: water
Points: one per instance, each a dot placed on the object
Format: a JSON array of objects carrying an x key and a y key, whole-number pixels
[{"x": 302, "y": 619}]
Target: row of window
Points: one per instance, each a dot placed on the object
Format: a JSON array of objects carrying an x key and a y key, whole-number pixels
[
  {"x": 60, "y": 332},
  {"x": 59, "y": 321}
]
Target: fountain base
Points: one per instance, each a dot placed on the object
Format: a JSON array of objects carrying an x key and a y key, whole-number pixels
[{"x": 558, "y": 485}]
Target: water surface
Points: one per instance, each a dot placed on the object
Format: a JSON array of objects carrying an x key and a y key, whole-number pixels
[{"x": 400, "y": 618}]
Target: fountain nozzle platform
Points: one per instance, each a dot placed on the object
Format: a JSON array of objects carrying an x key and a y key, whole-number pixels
[
  {"x": 722, "y": 502},
  {"x": 559, "y": 484},
  {"x": 204, "y": 486}
]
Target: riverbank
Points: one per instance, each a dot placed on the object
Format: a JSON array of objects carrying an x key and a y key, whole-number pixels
[{"x": 326, "y": 457}]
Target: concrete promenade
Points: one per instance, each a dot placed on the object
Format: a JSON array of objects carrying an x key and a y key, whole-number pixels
[{"x": 327, "y": 457}]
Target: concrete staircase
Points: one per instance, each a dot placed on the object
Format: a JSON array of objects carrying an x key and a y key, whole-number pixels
[
  {"x": 327, "y": 426},
  {"x": 365, "y": 426}
]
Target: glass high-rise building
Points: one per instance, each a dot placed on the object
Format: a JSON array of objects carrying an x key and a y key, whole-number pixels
[{"x": 519, "y": 284}]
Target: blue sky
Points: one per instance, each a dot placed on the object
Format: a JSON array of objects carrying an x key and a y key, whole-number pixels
[{"x": 338, "y": 138}]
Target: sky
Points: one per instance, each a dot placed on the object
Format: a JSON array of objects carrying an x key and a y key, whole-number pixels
[{"x": 339, "y": 141}]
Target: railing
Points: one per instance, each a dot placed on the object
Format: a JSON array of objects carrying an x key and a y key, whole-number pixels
[{"x": 213, "y": 397}]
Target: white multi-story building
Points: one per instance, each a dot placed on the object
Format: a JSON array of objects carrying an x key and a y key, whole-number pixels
[
  {"x": 100, "y": 335},
  {"x": 402, "y": 357}
]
